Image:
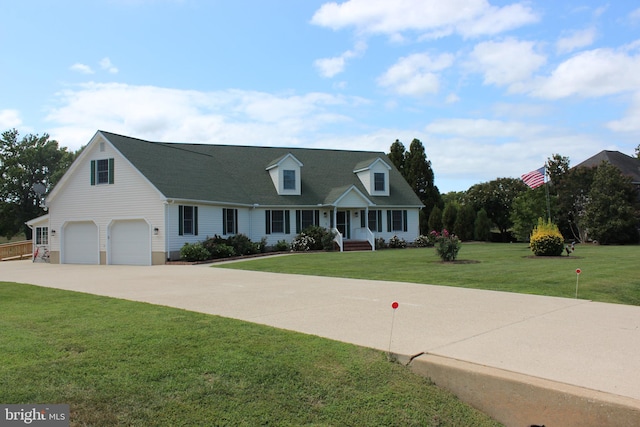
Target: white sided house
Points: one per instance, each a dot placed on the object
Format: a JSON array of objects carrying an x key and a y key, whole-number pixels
[{"x": 130, "y": 201}]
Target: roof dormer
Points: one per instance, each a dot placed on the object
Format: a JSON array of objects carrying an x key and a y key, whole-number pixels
[
  {"x": 374, "y": 175},
  {"x": 285, "y": 174}
]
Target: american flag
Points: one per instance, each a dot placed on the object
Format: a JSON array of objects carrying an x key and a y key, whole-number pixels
[{"x": 534, "y": 179}]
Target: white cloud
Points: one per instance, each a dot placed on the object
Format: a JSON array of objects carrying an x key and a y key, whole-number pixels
[
  {"x": 576, "y": 40},
  {"x": 225, "y": 117},
  {"x": 468, "y": 17},
  {"x": 9, "y": 119},
  {"x": 416, "y": 74},
  {"x": 105, "y": 64},
  {"x": 329, "y": 67},
  {"x": 507, "y": 62},
  {"x": 452, "y": 98},
  {"x": 631, "y": 121},
  {"x": 81, "y": 68},
  {"x": 635, "y": 15},
  {"x": 592, "y": 73},
  {"x": 483, "y": 128}
]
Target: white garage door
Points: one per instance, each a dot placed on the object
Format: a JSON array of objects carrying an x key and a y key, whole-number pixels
[
  {"x": 130, "y": 242},
  {"x": 80, "y": 243}
]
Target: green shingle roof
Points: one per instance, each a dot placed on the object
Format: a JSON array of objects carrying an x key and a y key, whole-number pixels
[{"x": 237, "y": 174}]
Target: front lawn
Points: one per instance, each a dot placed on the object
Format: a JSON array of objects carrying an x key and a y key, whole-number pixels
[
  {"x": 118, "y": 362},
  {"x": 608, "y": 273}
]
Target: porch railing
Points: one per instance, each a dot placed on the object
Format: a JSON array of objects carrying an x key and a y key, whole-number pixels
[
  {"x": 364, "y": 233},
  {"x": 338, "y": 239},
  {"x": 17, "y": 250}
]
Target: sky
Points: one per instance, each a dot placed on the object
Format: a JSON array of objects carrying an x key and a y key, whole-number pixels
[{"x": 492, "y": 88}]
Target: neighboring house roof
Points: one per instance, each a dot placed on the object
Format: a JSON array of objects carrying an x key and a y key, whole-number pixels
[
  {"x": 628, "y": 165},
  {"x": 237, "y": 174}
]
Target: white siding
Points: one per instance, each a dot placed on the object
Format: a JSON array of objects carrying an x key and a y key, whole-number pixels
[{"x": 130, "y": 197}]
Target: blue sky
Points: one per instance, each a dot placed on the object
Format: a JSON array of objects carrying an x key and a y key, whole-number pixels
[{"x": 491, "y": 88}]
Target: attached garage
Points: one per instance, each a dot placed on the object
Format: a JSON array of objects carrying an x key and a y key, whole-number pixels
[
  {"x": 130, "y": 242},
  {"x": 80, "y": 243}
]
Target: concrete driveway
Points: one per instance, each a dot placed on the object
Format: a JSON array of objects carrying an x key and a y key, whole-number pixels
[{"x": 587, "y": 350}]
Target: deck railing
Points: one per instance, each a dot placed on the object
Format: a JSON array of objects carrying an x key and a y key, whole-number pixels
[{"x": 16, "y": 250}]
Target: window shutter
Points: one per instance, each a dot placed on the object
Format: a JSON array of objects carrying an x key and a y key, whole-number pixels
[
  {"x": 180, "y": 220},
  {"x": 224, "y": 221},
  {"x": 363, "y": 220},
  {"x": 93, "y": 172},
  {"x": 267, "y": 225},
  {"x": 298, "y": 221},
  {"x": 235, "y": 223},
  {"x": 195, "y": 220},
  {"x": 316, "y": 217},
  {"x": 287, "y": 222},
  {"x": 379, "y": 222},
  {"x": 404, "y": 220},
  {"x": 388, "y": 220},
  {"x": 111, "y": 168}
]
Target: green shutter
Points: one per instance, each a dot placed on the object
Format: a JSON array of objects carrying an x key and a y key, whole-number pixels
[
  {"x": 93, "y": 172},
  {"x": 388, "y": 220},
  {"x": 267, "y": 220},
  {"x": 235, "y": 223},
  {"x": 180, "y": 220},
  {"x": 195, "y": 220},
  {"x": 404, "y": 220},
  {"x": 224, "y": 221},
  {"x": 298, "y": 221},
  {"x": 287, "y": 222},
  {"x": 316, "y": 217},
  {"x": 363, "y": 220},
  {"x": 379, "y": 222},
  {"x": 111, "y": 168}
]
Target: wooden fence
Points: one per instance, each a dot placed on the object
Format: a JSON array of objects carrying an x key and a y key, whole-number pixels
[{"x": 17, "y": 250}]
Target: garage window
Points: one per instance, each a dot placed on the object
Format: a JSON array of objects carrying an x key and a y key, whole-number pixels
[{"x": 187, "y": 220}]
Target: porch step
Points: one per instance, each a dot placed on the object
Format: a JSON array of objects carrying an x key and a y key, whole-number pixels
[{"x": 356, "y": 245}]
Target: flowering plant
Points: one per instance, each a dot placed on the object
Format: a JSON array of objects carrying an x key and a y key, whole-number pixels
[
  {"x": 397, "y": 242},
  {"x": 447, "y": 245},
  {"x": 302, "y": 243}
]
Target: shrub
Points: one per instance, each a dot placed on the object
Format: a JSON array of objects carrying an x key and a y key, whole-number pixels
[
  {"x": 380, "y": 243},
  {"x": 194, "y": 252},
  {"x": 302, "y": 243},
  {"x": 281, "y": 246},
  {"x": 322, "y": 238},
  {"x": 546, "y": 239},
  {"x": 242, "y": 245},
  {"x": 424, "y": 241},
  {"x": 222, "y": 251},
  {"x": 397, "y": 243},
  {"x": 447, "y": 245}
]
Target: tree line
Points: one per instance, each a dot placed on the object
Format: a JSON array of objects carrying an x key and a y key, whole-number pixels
[{"x": 597, "y": 203}]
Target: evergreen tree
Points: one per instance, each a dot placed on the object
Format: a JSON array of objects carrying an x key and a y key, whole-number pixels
[
  {"x": 449, "y": 215},
  {"x": 464, "y": 224},
  {"x": 420, "y": 176},
  {"x": 397, "y": 156},
  {"x": 482, "y": 226},
  {"x": 435, "y": 220}
]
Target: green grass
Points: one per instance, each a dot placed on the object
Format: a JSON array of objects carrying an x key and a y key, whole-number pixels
[
  {"x": 118, "y": 362},
  {"x": 609, "y": 273}
]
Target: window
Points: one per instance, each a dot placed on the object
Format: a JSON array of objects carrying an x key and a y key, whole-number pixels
[
  {"x": 306, "y": 218},
  {"x": 42, "y": 235},
  {"x": 397, "y": 220},
  {"x": 187, "y": 220},
  {"x": 378, "y": 179},
  {"x": 374, "y": 221},
  {"x": 277, "y": 221},
  {"x": 229, "y": 221},
  {"x": 102, "y": 171},
  {"x": 289, "y": 179}
]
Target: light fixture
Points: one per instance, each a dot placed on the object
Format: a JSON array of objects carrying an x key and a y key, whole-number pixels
[
  {"x": 325, "y": 214},
  {"x": 356, "y": 214},
  {"x": 155, "y": 231},
  {"x": 53, "y": 233}
]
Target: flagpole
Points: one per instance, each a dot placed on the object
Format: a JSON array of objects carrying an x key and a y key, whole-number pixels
[{"x": 546, "y": 189}]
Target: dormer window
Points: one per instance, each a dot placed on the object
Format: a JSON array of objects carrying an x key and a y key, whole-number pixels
[
  {"x": 374, "y": 176},
  {"x": 285, "y": 174},
  {"x": 289, "y": 179},
  {"x": 379, "y": 181}
]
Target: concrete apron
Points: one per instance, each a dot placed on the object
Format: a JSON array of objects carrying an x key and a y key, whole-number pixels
[{"x": 522, "y": 359}]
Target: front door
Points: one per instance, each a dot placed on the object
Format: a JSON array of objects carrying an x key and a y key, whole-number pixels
[{"x": 343, "y": 223}]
